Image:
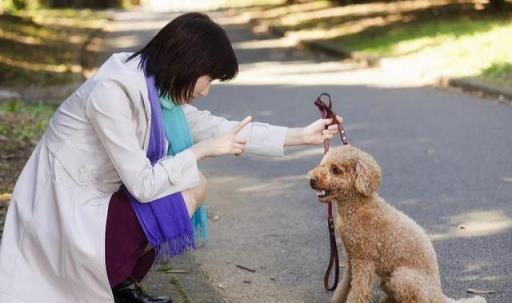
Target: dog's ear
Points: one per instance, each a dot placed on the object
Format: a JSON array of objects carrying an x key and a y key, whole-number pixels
[{"x": 368, "y": 175}]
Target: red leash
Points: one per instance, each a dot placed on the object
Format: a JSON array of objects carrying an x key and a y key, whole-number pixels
[{"x": 326, "y": 112}]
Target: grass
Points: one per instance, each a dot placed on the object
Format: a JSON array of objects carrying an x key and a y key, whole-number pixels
[
  {"x": 44, "y": 47},
  {"x": 21, "y": 127},
  {"x": 37, "y": 47},
  {"x": 459, "y": 39},
  {"x": 499, "y": 72}
]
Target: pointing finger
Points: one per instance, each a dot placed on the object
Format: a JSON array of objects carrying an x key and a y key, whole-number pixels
[{"x": 241, "y": 125}]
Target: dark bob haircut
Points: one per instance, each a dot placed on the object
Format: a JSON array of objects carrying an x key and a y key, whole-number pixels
[{"x": 188, "y": 47}]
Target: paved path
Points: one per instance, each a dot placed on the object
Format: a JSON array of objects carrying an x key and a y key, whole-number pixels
[{"x": 446, "y": 159}]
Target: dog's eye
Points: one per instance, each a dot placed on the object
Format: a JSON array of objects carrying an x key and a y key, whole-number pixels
[{"x": 336, "y": 170}]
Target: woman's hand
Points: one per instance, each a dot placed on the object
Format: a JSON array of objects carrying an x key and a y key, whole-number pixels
[
  {"x": 315, "y": 133},
  {"x": 225, "y": 144}
]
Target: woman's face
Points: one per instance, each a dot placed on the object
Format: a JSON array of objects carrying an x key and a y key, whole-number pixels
[{"x": 202, "y": 87}]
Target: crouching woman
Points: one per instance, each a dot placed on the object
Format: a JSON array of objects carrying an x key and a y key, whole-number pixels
[{"x": 113, "y": 182}]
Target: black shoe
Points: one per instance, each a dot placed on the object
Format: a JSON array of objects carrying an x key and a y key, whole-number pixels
[{"x": 130, "y": 291}]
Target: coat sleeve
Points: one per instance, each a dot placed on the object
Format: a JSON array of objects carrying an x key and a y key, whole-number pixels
[
  {"x": 109, "y": 111},
  {"x": 262, "y": 138}
]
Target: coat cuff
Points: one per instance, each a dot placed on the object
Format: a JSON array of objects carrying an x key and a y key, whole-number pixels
[{"x": 182, "y": 170}]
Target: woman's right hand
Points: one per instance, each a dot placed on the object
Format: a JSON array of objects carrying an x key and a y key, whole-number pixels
[{"x": 225, "y": 144}]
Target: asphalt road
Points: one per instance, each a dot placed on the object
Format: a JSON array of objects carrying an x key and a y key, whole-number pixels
[{"x": 446, "y": 160}]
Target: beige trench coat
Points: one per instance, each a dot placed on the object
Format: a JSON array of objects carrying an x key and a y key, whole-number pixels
[{"x": 53, "y": 246}]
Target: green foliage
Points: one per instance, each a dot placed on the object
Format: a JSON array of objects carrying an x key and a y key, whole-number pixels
[
  {"x": 498, "y": 74},
  {"x": 12, "y": 6},
  {"x": 21, "y": 127},
  {"x": 23, "y": 124},
  {"x": 498, "y": 70}
]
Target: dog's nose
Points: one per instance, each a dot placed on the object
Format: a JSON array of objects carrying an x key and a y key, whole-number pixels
[{"x": 312, "y": 182}]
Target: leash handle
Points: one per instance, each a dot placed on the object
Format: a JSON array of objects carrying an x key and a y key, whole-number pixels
[{"x": 326, "y": 112}]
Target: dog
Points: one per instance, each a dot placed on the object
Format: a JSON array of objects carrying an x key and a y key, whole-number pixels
[{"x": 378, "y": 239}]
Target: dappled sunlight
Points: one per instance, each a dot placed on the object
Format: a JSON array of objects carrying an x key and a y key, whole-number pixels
[
  {"x": 361, "y": 10},
  {"x": 126, "y": 41},
  {"x": 15, "y": 37},
  {"x": 475, "y": 224},
  {"x": 38, "y": 67},
  {"x": 280, "y": 186},
  {"x": 310, "y": 73},
  {"x": 152, "y": 25},
  {"x": 473, "y": 272},
  {"x": 268, "y": 186},
  {"x": 265, "y": 43},
  {"x": 270, "y": 13},
  {"x": 303, "y": 153},
  {"x": 479, "y": 277},
  {"x": 350, "y": 27}
]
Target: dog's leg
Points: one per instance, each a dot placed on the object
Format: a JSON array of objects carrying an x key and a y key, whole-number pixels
[
  {"x": 363, "y": 275},
  {"x": 411, "y": 286},
  {"x": 341, "y": 293}
]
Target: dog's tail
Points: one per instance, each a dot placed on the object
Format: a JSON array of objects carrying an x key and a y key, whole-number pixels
[{"x": 475, "y": 299}]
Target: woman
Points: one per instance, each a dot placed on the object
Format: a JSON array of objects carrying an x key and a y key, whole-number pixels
[{"x": 114, "y": 180}]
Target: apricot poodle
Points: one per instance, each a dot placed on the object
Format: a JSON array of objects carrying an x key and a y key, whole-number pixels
[{"x": 378, "y": 240}]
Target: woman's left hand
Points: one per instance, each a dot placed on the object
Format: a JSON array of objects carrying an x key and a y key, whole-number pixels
[{"x": 315, "y": 133}]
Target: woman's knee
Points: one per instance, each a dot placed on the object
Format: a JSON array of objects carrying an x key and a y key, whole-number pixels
[
  {"x": 201, "y": 189},
  {"x": 190, "y": 201}
]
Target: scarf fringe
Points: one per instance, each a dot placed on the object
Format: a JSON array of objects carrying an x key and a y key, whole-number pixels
[{"x": 174, "y": 247}]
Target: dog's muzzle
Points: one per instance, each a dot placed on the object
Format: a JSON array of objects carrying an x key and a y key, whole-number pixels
[{"x": 313, "y": 183}]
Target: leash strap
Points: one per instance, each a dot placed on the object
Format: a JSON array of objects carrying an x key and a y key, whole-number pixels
[{"x": 326, "y": 112}]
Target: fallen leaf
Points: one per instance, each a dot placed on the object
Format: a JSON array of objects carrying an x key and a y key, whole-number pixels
[
  {"x": 479, "y": 291},
  {"x": 220, "y": 286}
]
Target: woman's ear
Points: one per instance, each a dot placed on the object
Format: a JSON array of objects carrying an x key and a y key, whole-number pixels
[{"x": 368, "y": 176}]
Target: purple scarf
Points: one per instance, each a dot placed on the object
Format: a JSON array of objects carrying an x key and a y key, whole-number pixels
[{"x": 165, "y": 221}]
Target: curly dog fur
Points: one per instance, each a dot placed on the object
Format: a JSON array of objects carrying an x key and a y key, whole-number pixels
[{"x": 378, "y": 240}]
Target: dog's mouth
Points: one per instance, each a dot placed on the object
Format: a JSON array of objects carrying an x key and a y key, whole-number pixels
[{"x": 322, "y": 193}]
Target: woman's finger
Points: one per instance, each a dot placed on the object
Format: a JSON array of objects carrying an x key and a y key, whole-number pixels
[
  {"x": 241, "y": 125},
  {"x": 333, "y": 127},
  {"x": 237, "y": 152},
  {"x": 330, "y": 131},
  {"x": 239, "y": 140},
  {"x": 326, "y": 121},
  {"x": 237, "y": 146}
]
